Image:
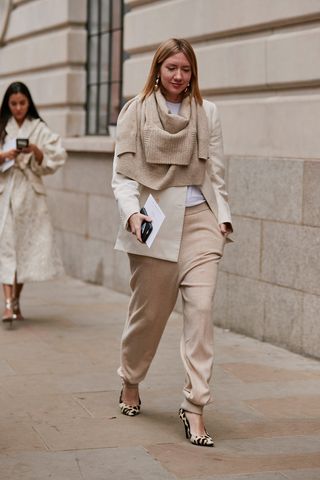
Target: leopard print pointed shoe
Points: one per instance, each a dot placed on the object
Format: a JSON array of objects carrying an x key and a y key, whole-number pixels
[
  {"x": 129, "y": 410},
  {"x": 200, "y": 440}
]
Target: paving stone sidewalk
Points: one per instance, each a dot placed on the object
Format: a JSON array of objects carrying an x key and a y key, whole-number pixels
[{"x": 59, "y": 393}]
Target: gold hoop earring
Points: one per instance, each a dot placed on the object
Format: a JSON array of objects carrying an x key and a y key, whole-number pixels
[
  {"x": 156, "y": 85},
  {"x": 186, "y": 90}
]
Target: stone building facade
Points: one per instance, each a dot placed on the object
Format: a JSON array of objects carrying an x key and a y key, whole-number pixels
[{"x": 259, "y": 61}]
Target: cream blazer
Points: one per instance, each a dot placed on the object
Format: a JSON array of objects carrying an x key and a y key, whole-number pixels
[{"x": 130, "y": 196}]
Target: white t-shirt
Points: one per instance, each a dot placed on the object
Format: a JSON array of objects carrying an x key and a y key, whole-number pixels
[{"x": 194, "y": 195}]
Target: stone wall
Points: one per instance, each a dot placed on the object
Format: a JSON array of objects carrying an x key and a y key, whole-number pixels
[
  {"x": 44, "y": 45},
  {"x": 259, "y": 61},
  {"x": 85, "y": 214}
]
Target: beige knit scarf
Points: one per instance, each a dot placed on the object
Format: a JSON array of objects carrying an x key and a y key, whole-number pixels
[{"x": 159, "y": 149}]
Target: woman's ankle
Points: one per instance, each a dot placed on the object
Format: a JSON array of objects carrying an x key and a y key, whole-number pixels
[
  {"x": 130, "y": 393},
  {"x": 196, "y": 422},
  {"x": 133, "y": 386}
]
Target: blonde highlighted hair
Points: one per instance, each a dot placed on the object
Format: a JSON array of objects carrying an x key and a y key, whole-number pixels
[{"x": 165, "y": 50}]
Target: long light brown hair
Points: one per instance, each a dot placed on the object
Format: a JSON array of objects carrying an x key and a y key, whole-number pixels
[{"x": 165, "y": 50}]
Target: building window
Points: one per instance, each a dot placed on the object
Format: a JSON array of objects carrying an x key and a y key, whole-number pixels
[{"x": 104, "y": 67}]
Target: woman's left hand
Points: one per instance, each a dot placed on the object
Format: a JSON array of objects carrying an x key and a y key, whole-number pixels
[
  {"x": 32, "y": 148},
  {"x": 225, "y": 229}
]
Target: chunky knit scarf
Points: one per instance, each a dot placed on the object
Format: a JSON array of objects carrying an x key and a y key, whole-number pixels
[{"x": 161, "y": 150}]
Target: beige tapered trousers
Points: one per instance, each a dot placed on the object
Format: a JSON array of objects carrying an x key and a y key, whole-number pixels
[{"x": 155, "y": 285}]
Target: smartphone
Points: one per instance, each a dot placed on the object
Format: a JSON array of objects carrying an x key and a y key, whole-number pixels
[
  {"x": 146, "y": 227},
  {"x": 22, "y": 143}
]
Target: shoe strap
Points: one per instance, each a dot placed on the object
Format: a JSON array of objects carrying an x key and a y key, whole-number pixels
[{"x": 9, "y": 303}]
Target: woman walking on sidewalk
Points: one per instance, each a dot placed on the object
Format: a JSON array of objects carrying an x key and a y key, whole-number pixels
[
  {"x": 28, "y": 150},
  {"x": 169, "y": 144}
]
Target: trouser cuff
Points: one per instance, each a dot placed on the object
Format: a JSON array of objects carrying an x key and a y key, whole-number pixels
[
  {"x": 191, "y": 407},
  {"x": 126, "y": 382}
]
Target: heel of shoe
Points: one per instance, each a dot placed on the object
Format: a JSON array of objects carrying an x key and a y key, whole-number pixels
[
  {"x": 16, "y": 309},
  {"x": 8, "y": 322},
  {"x": 9, "y": 319},
  {"x": 185, "y": 421}
]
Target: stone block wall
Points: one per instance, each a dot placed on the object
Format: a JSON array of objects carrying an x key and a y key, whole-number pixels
[
  {"x": 44, "y": 45},
  {"x": 259, "y": 62},
  {"x": 85, "y": 214}
]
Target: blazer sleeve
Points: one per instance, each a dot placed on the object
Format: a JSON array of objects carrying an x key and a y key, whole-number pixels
[
  {"x": 126, "y": 192},
  {"x": 216, "y": 166}
]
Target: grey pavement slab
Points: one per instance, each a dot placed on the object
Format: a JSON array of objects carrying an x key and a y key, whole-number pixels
[
  {"x": 59, "y": 391},
  {"x": 132, "y": 463}
]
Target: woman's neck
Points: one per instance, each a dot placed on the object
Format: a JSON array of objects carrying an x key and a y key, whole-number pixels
[
  {"x": 172, "y": 98},
  {"x": 19, "y": 122},
  {"x": 178, "y": 102}
]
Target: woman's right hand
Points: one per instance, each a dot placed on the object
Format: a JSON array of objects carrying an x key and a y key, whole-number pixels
[
  {"x": 9, "y": 155},
  {"x": 135, "y": 222}
]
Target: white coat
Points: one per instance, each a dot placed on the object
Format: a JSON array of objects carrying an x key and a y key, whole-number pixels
[{"x": 27, "y": 244}]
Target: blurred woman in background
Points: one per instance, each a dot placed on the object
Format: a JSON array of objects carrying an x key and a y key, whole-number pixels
[{"x": 28, "y": 150}]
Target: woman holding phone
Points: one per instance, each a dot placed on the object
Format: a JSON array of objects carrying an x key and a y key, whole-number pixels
[
  {"x": 169, "y": 144},
  {"x": 28, "y": 150}
]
